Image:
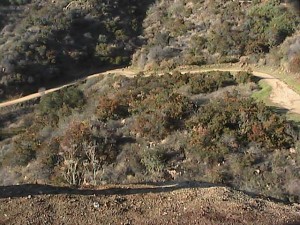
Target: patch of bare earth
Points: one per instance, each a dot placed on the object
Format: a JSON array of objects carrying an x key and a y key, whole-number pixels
[{"x": 145, "y": 205}]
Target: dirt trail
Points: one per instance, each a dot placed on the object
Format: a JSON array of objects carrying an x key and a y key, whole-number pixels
[
  {"x": 39, "y": 94},
  {"x": 281, "y": 95}
]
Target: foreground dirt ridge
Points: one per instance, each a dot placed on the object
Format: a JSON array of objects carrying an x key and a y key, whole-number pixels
[
  {"x": 281, "y": 94},
  {"x": 140, "y": 204}
]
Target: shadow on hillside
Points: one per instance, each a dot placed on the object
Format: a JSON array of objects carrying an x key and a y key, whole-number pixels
[
  {"x": 283, "y": 112},
  {"x": 256, "y": 79},
  {"x": 25, "y": 190},
  {"x": 279, "y": 110},
  {"x": 292, "y": 223}
]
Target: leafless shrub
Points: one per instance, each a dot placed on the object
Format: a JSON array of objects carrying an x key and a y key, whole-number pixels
[{"x": 92, "y": 164}]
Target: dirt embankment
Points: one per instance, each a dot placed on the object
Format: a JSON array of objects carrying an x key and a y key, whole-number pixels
[{"x": 140, "y": 204}]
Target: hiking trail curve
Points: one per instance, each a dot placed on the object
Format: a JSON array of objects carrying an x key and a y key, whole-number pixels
[{"x": 281, "y": 94}]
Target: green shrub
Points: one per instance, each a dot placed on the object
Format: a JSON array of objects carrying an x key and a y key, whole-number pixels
[
  {"x": 210, "y": 81},
  {"x": 269, "y": 25},
  {"x": 153, "y": 160},
  {"x": 24, "y": 150},
  {"x": 14, "y": 2},
  {"x": 75, "y": 40},
  {"x": 243, "y": 77},
  {"x": 160, "y": 113},
  {"x": 52, "y": 103},
  {"x": 60, "y": 104}
]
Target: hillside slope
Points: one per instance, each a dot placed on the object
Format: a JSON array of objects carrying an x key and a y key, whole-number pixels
[
  {"x": 145, "y": 204},
  {"x": 177, "y": 126},
  {"x": 206, "y": 32},
  {"x": 43, "y": 43},
  {"x": 281, "y": 94},
  {"x": 48, "y": 42},
  {"x": 287, "y": 55}
]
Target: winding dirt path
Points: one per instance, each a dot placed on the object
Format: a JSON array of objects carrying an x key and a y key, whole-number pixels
[
  {"x": 281, "y": 93},
  {"x": 125, "y": 72}
]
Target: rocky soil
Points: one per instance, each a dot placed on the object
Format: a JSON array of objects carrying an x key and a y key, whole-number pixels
[{"x": 185, "y": 203}]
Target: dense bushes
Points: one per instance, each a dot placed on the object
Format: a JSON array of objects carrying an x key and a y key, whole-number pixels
[
  {"x": 209, "y": 32},
  {"x": 59, "y": 39},
  {"x": 153, "y": 160},
  {"x": 287, "y": 55},
  {"x": 60, "y": 104},
  {"x": 243, "y": 77},
  {"x": 53, "y": 40},
  {"x": 209, "y": 82},
  {"x": 25, "y": 148},
  {"x": 269, "y": 25},
  {"x": 52, "y": 103},
  {"x": 115, "y": 107},
  {"x": 160, "y": 114},
  {"x": 14, "y": 2},
  {"x": 232, "y": 123},
  {"x": 158, "y": 128}
]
